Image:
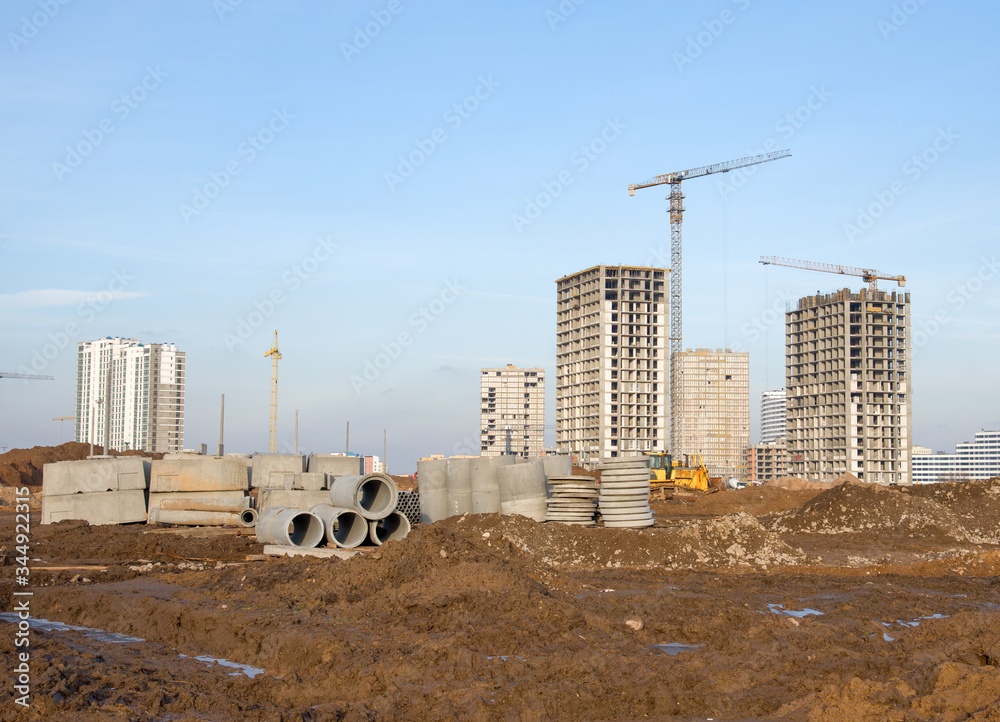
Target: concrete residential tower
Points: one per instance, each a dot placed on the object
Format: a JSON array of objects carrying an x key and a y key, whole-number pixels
[
  {"x": 611, "y": 362},
  {"x": 512, "y": 408},
  {"x": 143, "y": 407},
  {"x": 772, "y": 416},
  {"x": 848, "y": 382},
  {"x": 713, "y": 399}
]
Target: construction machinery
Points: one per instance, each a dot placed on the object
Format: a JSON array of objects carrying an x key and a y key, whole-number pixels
[
  {"x": 676, "y": 199},
  {"x": 667, "y": 476},
  {"x": 870, "y": 275},
  {"x": 26, "y": 377},
  {"x": 275, "y": 357}
]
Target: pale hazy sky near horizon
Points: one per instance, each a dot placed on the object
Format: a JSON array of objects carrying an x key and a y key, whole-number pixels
[{"x": 204, "y": 173}]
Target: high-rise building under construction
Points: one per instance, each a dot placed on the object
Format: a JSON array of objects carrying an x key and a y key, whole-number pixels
[
  {"x": 847, "y": 365},
  {"x": 612, "y": 362},
  {"x": 712, "y": 392},
  {"x": 130, "y": 394},
  {"x": 512, "y": 411}
]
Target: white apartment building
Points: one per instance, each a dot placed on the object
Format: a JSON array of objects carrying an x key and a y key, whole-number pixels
[
  {"x": 131, "y": 394},
  {"x": 848, "y": 382},
  {"x": 772, "y": 416},
  {"x": 612, "y": 362},
  {"x": 975, "y": 460},
  {"x": 712, "y": 393},
  {"x": 512, "y": 411}
]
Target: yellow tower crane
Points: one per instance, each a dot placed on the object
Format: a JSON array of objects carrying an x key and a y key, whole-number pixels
[
  {"x": 275, "y": 355},
  {"x": 868, "y": 274}
]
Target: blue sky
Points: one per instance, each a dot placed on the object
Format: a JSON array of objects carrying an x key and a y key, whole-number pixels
[{"x": 205, "y": 173}]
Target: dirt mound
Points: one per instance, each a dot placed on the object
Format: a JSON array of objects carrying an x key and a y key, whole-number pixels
[
  {"x": 754, "y": 500},
  {"x": 23, "y": 467},
  {"x": 975, "y": 503},
  {"x": 734, "y": 540},
  {"x": 859, "y": 508},
  {"x": 793, "y": 483}
]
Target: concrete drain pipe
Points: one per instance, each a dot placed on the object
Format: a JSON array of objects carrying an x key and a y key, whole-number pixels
[
  {"x": 344, "y": 527},
  {"x": 373, "y": 496},
  {"x": 392, "y": 528},
  {"x": 248, "y": 518},
  {"x": 289, "y": 527}
]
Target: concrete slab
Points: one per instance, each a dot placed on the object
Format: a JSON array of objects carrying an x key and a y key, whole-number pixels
[
  {"x": 289, "y": 480},
  {"x": 105, "y": 507},
  {"x": 276, "y": 550},
  {"x": 291, "y": 498},
  {"x": 263, "y": 464},
  {"x": 95, "y": 475},
  {"x": 199, "y": 473},
  {"x": 335, "y": 465}
]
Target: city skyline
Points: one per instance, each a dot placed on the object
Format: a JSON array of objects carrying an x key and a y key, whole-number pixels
[{"x": 205, "y": 177}]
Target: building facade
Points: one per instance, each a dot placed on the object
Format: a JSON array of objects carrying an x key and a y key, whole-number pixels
[
  {"x": 612, "y": 362},
  {"x": 767, "y": 462},
  {"x": 972, "y": 460},
  {"x": 848, "y": 385},
  {"x": 772, "y": 416},
  {"x": 712, "y": 393},
  {"x": 130, "y": 394},
  {"x": 512, "y": 412}
]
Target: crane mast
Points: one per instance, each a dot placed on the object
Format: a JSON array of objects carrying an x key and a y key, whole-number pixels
[
  {"x": 275, "y": 357},
  {"x": 676, "y": 199}
]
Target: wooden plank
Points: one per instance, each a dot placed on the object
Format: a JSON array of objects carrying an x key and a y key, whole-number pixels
[
  {"x": 197, "y": 532},
  {"x": 275, "y": 550}
]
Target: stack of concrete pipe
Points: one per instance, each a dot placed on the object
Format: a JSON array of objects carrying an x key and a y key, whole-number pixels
[
  {"x": 624, "y": 497},
  {"x": 99, "y": 491},
  {"x": 572, "y": 500},
  {"x": 200, "y": 491},
  {"x": 358, "y": 508}
]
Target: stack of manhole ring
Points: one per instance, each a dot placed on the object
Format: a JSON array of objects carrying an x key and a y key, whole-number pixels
[
  {"x": 572, "y": 500},
  {"x": 624, "y": 497}
]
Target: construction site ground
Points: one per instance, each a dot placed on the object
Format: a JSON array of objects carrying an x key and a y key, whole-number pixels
[{"x": 855, "y": 602}]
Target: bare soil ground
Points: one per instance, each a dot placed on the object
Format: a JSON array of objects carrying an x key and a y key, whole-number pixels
[{"x": 853, "y": 602}]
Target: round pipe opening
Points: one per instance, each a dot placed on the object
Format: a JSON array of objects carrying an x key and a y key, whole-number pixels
[
  {"x": 392, "y": 528},
  {"x": 305, "y": 530},
  {"x": 375, "y": 496}
]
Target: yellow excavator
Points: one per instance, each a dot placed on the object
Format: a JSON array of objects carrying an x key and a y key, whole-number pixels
[{"x": 667, "y": 474}]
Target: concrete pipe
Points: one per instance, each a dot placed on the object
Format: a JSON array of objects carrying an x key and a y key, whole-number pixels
[
  {"x": 557, "y": 465},
  {"x": 432, "y": 484},
  {"x": 289, "y": 527},
  {"x": 373, "y": 496},
  {"x": 459, "y": 486},
  {"x": 344, "y": 527},
  {"x": 248, "y": 518},
  {"x": 523, "y": 490},
  {"x": 486, "y": 483},
  {"x": 392, "y": 528},
  {"x": 187, "y": 517}
]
